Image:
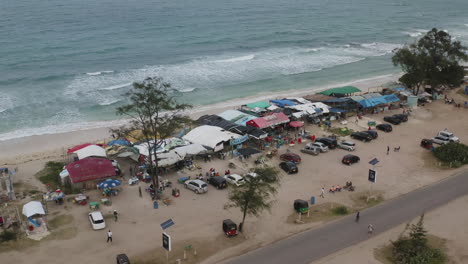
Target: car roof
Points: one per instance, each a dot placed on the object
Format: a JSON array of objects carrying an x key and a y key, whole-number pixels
[
  {"x": 349, "y": 156},
  {"x": 97, "y": 215},
  {"x": 237, "y": 176},
  {"x": 319, "y": 143},
  {"x": 197, "y": 181}
]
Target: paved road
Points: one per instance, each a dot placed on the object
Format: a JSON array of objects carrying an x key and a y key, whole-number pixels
[{"x": 312, "y": 245}]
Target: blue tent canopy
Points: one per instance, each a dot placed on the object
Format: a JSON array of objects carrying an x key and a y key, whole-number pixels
[
  {"x": 337, "y": 100},
  {"x": 283, "y": 103},
  {"x": 337, "y": 110},
  {"x": 385, "y": 99},
  {"x": 121, "y": 142}
]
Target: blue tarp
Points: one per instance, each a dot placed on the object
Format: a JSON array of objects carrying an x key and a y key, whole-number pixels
[
  {"x": 385, "y": 99},
  {"x": 398, "y": 89},
  {"x": 121, "y": 142},
  {"x": 337, "y": 100},
  {"x": 337, "y": 110},
  {"x": 282, "y": 103}
]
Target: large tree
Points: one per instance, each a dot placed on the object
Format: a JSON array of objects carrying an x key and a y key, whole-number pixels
[
  {"x": 433, "y": 60},
  {"x": 255, "y": 195},
  {"x": 155, "y": 113}
]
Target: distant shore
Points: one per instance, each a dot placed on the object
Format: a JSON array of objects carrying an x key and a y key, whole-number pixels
[{"x": 23, "y": 149}]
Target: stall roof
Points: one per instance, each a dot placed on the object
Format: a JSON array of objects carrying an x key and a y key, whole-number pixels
[
  {"x": 261, "y": 104},
  {"x": 385, "y": 99},
  {"x": 283, "y": 102},
  {"x": 91, "y": 151},
  {"x": 269, "y": 120},
  {"x": 337, "y": 110},
  {"x": 33, "y": 208},
  {"x": 214, "y": 120},
  {"x": 210, "y": 136},
  {"x": 90, "y": 169},
  {"x": 337, "y": 100},
  {"x": 318, "y": 97},
  {"x": 356, "y": 98},
  {"x": 298, "y": 99},
  {"x": 247, "y": 151},
  {"x": 236, "y": 116},
  {"x": 341, "y": 90},
  {"x": 371, "y": 95}
]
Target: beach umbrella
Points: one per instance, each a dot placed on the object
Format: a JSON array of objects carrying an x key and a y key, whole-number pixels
[
  {"x": 78, "y": 147},
  {"x": 296, "y": 124},
  {"x": 109, "y": 183}
]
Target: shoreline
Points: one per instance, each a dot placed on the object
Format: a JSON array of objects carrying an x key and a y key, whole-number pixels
[{"x": 49, "y": 145}]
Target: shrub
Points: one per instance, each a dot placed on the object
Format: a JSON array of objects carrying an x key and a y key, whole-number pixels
[
  {"x": 454, "y": 153},
  {"x": 340, "y": 210},
  {"x": 51, "y": 174},
  {"x": 7, "y": 236}
]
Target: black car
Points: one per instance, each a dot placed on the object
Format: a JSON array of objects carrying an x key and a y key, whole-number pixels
[
  {"x": 122, "y": 259},
  {"x": 331, "y": 143},
  {"x": 385, "y": 127},
  {"x": 372, "y": 133},
  {"x": 350, "y": 159},
  {"x": 402, "y": 117},
  {"x": 361, "y": 136},
  {"x": 289, "y": 167},
  {"x": 392, "y": 120},
  {"x": 218, "y": 182}
]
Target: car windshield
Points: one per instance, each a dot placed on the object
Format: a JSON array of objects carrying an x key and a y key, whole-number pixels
[
  {"x": 99, "y": 221},
  {"x": 204, "y": 185}
]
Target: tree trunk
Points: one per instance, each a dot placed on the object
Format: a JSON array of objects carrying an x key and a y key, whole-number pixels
[{"x": 241, "y": 225}]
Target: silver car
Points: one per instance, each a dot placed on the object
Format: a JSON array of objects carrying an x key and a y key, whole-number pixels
[
  {"x": 198, "y": 186},
  {"x": 322, "y": 147},
  {"x": 347, "y": 145}
]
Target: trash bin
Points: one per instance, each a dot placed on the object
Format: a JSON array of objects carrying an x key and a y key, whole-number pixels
[
  {"x": 312, "y": 200},
  {"x": 155, "y": 205}
]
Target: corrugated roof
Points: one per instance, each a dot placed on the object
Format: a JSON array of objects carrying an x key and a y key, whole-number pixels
[
  {"x": 318, "y": 97},
  {"x": 261, "y": 104},
  {"x": 371, "y": 95},
  {"x": 90, "y": 169}
]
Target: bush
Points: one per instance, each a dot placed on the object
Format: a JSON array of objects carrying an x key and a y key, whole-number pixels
[
  {"x": 51, "y": 174},
  {"x": 341, "y": 131},
  {"x": 7, "y": 236},
  {"x": 454, "y": 153},
  {"x": 340, "y": 210}
]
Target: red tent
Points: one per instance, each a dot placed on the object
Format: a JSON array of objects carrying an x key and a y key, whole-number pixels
[
  {"x": 90, "y": 169},
  {"x": 78, "y": 147},
  {"x": 269, "y": 120},
  {"x": 296, "y": 124}
]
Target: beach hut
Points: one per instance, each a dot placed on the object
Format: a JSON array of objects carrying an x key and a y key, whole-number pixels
[
  {"x": 85, "y": 173},
  {"x": 91, "y": 151},
  {"x": 269, "y": 121},
  {"x": 211, "y": 137}
]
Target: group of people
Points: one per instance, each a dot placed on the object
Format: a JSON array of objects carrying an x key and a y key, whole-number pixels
[{"x": 334, "y": 189}]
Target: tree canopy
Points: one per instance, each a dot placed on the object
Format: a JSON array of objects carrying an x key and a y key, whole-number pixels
[
  {"x": 433, "y": 60},
  {"x": 155, "y": 113}
]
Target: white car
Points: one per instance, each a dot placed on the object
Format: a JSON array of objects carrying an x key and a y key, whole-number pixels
[
  {"x": 322, "y": 147},
  {"x": 97, "y": 220},
  {"x": 440, "y": 140},
  {"x": 198, "y": 186},
  {"x": 449, "y": 136},
  {"x": 347, "y": 145},
  {"x": 234, "y": 179}
]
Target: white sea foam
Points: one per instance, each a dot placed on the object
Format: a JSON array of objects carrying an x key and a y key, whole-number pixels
[
  {"x": 6, "y": 102},
  {"x": 109, "y": 101},
  {"x": 117, "y": 86},
  {"x": 235, "y": 59},
  {"x": 98, "y": 73}
]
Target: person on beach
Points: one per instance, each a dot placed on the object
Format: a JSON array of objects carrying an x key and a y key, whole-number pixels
[
  {"x": 388, "y": 149},
  {"x": 357, "y": 216},
  {"x": 109, "y": 236},
  {"x": 115, "y": 215},
  {"x": 370, "y": 229},
  {"x": 322, "y": 194}
]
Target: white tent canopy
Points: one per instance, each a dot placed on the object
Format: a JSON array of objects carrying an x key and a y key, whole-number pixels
[
  {"x": 33, "y": 208},
  {"x": 169, "y": 158},
  {"x": 90, "y": 151},
  {"x": 210, "y": 136},
  {"x": 192, "y": 149}
]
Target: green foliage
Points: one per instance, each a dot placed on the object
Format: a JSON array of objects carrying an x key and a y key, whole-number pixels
[
  {"x": 51, "y": 174},
  {"x": 414, "y": 249},
  {"x": 153, "y": 110},
  {"x": 340, "y": 210},
  {"x": 255, "y": 195},
  {"x": 341, "y": 131},
  {"x": 454, "y": 153},
  {"x": 7, "y": 236},
  {"x": 268, "y": 174},
  {"x": 432, "y": 60}
]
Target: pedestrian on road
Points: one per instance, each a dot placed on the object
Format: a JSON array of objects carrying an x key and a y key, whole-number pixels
[
  {"x": 322, "y": 193},
  {"x": 139, "y": 191},
  {"x": 109, "y": 236},
  {"x": 357, "y": 216},
  {"x": 115, "y": 215},
  {"x": 388, "y": 149},
  {"x": 131, "y": 171},
  {"x": 370, "y": 229}
]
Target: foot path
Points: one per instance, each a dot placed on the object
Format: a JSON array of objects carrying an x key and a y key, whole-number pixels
[{"x": 312, "y": 245}]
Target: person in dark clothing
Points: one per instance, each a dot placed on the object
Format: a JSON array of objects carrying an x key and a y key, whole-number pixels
[{"x": 357, "y": 216}]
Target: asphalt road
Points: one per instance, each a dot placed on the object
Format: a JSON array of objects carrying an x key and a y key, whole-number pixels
[{"x": 312, "y": 245}]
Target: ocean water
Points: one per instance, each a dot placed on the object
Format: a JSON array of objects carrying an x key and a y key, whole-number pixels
[{"x": 64, "y": 65}]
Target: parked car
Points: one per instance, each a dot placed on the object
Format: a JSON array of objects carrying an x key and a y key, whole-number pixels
[
  {"x": 291, "y": 157},
  {"x": 427, "y": 143},
  {"x": 350, "y": 159},
  {"x": 392, "y": 120},
  {"x": 385, "y": 127},
  {"x": 329, "y": 142},
  {"x": 301, "y": 206},
  {"x": 372, "y": 133},
  {"x": 234, "y": 179},
  {"x": 312, "y": 150},
  {"x": 319, "y": 145},
  {"x": 449, "y": 136},
  {"x": 218, "y": 182},
  {"x": 440, "y": 140},
  {"x": 402, "y": 117},
  {"x": 198, "y": 186},
  {"x": 289, "y": 167},
  {"x": 122, "y": 259},
  {"x": 229, "y": 228},
  {"x": 347, "y": 145},
  {"x": 97, "y": 220},
  {"x": 361, "y": 136}
]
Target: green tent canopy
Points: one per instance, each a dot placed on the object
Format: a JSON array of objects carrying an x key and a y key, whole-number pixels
[
  {"x": 261, "y": 104},
  {"x": 340, "y": 90}
]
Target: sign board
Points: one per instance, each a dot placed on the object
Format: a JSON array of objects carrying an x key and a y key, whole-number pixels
[
  {"x": 166, "y": 239},
  {"x": 372, "y": 176},
  {"x": 167, "y": 224},
  {"x": 236, "y": 141},
  {"x": 374, "y": 161}
]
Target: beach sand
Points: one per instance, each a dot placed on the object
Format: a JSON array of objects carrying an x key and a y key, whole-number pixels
[{"x": 198, "y": 217}]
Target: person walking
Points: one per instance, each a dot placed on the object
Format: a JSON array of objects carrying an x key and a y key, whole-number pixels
[
  {"x": 322, "y": 194},
  {"x": 357, "y": 216},
  {"x": 109, "y": 236},
  {"x": 388, "y": 149},
  {"x": 370, "y": 229},
  {"x": 115, "y": 215},
  {"x": 139, "y": 191}
]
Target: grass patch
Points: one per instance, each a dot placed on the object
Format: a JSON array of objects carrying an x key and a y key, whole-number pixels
[
  {"x": 6, "y": 236},
  {"x": 362, "y": 200},
  {"x": 60, "y": 221},
  {"x": 17, "y": 245},
  {"x": 341, "y": 131},
  {"x": 50, "y": 174},
  {"x": 318, "y": 213},
  {"x": 340, "y": 210}
]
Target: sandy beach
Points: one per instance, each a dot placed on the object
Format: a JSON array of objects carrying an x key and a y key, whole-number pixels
[{"x": 198, "y": 217}]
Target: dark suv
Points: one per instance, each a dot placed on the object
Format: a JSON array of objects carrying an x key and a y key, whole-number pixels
[
  {"x": 329, "y": 142},
  {"x": 402, "y": 117},
  {"x": 372, "y": 133},
  {"x": 361, "y": 136},
  {"x": 218, "y": 182},
  {"x": 392, "y": 120}
]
